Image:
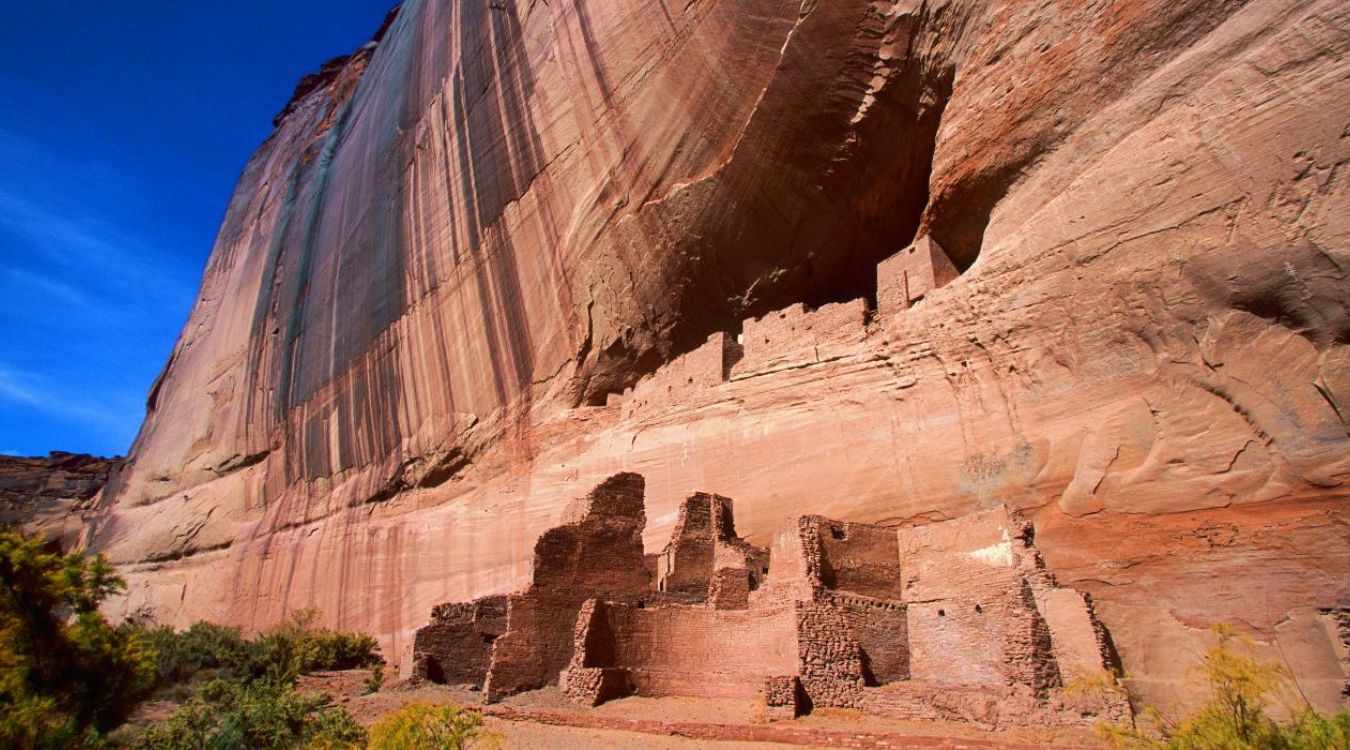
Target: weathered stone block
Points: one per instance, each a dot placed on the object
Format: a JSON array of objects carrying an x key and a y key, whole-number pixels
[
  {"x": 797, "y": 335},
  {"x": 909, "y": 275},
  {"x": 782, "y": 697}
]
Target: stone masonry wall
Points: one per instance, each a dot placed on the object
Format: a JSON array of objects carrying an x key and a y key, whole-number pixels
[
  {"x": 953, "y": 619},
  {"x": 691, "y": 650},
  {"x": 705, "y": 559},
  {"x": 456, "y": 648},
  {"x": 830, "y": 659},
  {"x": 909, "y": 275},
  {"x": 681, "y": 380},
  {"x": 882, "y": 631},
  {"x": 859, "y": 558},
  {"x": 796, "y": 336},
  {"x": 599, "y": 553},
  {"x": 968, "y": 595},
  {"x": 685, "y": 566}
]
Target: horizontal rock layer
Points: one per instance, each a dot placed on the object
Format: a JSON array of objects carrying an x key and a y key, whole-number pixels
[
  {"x": 48, "y": 495},
  {"x": 458, "y": 248}
]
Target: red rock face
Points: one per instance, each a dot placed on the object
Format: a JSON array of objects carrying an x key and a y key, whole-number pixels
[
  {"x": 47, "y": 496},
  {"x": 456, "y": 250}
]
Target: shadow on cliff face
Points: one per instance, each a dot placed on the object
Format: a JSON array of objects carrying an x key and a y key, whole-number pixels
[
  {"x": 1299, "y": 288},
  {"x": 830, "y": 178}
]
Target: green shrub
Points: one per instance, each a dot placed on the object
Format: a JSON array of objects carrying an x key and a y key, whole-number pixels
[
  {"x": 376, "y": 679},
  {"x": 260, "y": 715},
  {"x": 202, "y": 647},
  {"x": 1235, "y": 717},
  {"x": 66, "y": 675},
  {"x": 253, "y": 703},
  {"x": 296, "y": 647},
  {"x": 427, "y": 726}
]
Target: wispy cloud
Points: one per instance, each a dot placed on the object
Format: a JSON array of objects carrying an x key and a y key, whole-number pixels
[
  {"x": 26, "y": 389},
  {"x": 76, "y": 214},
  {"x": 64, "y": 292},
  {"x": 92, "y": 287},
  {"x": 84, "y": 245}
]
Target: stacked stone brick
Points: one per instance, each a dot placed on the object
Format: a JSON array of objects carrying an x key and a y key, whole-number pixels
[
  {"x": 795, "y": 336},
  {"x": 908, "y": 276},
  {"x": 954, "y": 620},
  {"x": 705, "y": 560},
  {"x": 598, "y": 554}
]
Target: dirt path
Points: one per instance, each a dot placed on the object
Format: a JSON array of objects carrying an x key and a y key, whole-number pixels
[{"x": 544, "y": 719}]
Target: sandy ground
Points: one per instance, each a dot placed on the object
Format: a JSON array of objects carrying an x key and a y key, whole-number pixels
[{"x": 545, "y": 719}]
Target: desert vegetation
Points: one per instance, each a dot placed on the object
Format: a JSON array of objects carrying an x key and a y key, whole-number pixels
[
  {"x": 67, "y": 677},
  {"x": 71, "y": 679},
  {"x": 1241, "y": 694}
]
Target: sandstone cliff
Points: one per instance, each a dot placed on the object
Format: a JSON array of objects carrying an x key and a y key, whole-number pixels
[
  {"x": 48, "y": 496},
  {"x": 462, "y": 245}
]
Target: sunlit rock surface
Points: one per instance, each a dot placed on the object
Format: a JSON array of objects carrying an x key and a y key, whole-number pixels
[
  {"x": 459, "y": 249},
  {"x": 48, "y": 496}
]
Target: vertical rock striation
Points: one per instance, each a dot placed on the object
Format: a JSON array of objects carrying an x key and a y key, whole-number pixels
[{"x": 463, "y": 244}]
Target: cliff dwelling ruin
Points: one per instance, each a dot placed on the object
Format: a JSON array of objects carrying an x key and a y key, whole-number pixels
[
  {"x": 852, "y": 259},
  {"x": 956, "y": 620}
]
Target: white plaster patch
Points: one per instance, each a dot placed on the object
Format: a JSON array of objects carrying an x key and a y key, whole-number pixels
[{"x": 999, "y": 554}]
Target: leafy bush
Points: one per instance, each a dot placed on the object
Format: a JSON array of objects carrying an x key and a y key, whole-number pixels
[
  {"x": 1235, "y": 717},
  {"x": 66, "y": 675},
  {"x": 376, "y": 679},
  {"x": 260, "y": 715},
  {"x": 427, "y": 726},
  {"x": 296, "y": 647},
  {"x": 292, "y": 648},
  {"x": 253, "y": 702},
  {"x": 204, "y": 646}
]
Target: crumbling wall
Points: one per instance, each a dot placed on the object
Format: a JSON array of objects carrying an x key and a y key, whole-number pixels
[
  {"x": 829, "y": 658},
  {"x": 796, "y": 336},
  {"x": 682, "y": 380},
  {"x": 783, "y": 697},
  {"x": 968, "y": 595},
  {"x": 691, "y": 650},
  {"x": 456, "y": 648},
  {"x": 881, "y": 629},
  {"x": 1080, "y": 645},
  {"x": 859, "y": 558},
  {"x": 954, "y": 619},
  {"x": 908, "y": 276},
  {"x": 705, "y": 560},
  {"x": 730, "y": 588},
  {"x": 794, "y": 569},
  {"x": 597, "y": 552},
  {"x": 590, "y": 678},
  {"x": 685, "y": 566}
]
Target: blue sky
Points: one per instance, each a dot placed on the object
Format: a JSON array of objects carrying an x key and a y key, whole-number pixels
[{"x": 123, "y": 128}]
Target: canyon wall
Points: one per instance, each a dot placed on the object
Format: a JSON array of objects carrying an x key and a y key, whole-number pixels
[
  {"x": 49, "y": 496},
  {"x": 462, "y": 245}
]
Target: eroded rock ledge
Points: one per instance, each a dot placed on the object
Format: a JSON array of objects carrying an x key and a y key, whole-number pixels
[{"x": 47, "y": 495}]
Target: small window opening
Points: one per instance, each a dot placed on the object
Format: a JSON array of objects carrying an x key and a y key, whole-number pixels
[
  {"x": 838, "y": 532},
  {"x": 979, "y": 609},
  {"x": 942, "y": 613}
]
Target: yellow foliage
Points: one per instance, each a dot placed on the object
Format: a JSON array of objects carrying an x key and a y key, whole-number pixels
[
  {"x": 1240, "y": 689},
  {"x": 430, "y": 726}
]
